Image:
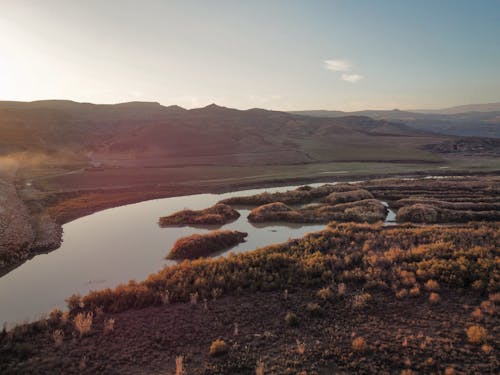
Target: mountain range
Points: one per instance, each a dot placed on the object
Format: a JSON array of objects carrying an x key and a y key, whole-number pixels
[
  {"x": 152, "y": 134},
  {"x": 477, "y": 120}
]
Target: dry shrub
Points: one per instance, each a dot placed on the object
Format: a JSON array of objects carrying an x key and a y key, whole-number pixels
[
  {"x": 193, "y": 298},
  {"x": 259, "y": 369},
  {"x": 54, "y": 315},
  {"x": 313, "y": 308},
  {"x": 429, "y": 361},
  {"x": 434, "y": 298},
  {"x": 487, "y": 349},
  {"x": 476, "y": 334},
  {"x": 83, "y": 323},
  {"x": 341, "y": 289},
  {"x": 407, "y": 371},
  {"x": 432, "y": 286},
  {"x": 361, "y": 300},
  {"x": 58, "y": 337},
  {"x": 291, "y": 319},
  {"x": 82, "y": 365},
  {"x": 165, "y": 297},
  {"x": 359, "y": 344},
  {"x": 325, "y": 294},
  {"x": 216, "y": 293},
  {"x": 99, "y": 311},
  {"x": 64, "y": 318},
  {"x": 218, "y": 347},
  {"x": 403, "y": 293},
  {"x": 477, "y": 313},
  {"x": 109, "y": 325},
  {"x": 301, "y": 347},
  {"x": 415, "y": 291},
  {"x": 179, "y": 365},
  {"x": 488, "y": 307},
  {"x": 494, "y": 297}
]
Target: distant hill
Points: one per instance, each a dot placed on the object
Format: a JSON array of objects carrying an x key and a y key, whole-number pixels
[
  {"x": 213, "y": 135},
  {"x": 484, "y": 107},
  {"x": 456, "y": 122}
]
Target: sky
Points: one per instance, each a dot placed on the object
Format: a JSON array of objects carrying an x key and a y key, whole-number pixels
[{"x": 287, "y": 55}]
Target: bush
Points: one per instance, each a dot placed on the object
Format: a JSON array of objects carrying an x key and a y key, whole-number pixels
[
  {"x": 434, "y": 298},
  {"x": 218, "y": 348},
  {"x": 325, "y": 294},
  {"x": 476, "y": 334},
  {"x": 432, "y": 285},
  {"x": 83, "y": 323},
  {"x": 359, "y": 344},
  {"x": 291, "y": 319},
  {"x": 314, "y": 309}
]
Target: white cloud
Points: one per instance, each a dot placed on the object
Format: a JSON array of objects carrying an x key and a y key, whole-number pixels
[
  {"x": 353, "y": 78},
  {"x": 337, "y": 65}
]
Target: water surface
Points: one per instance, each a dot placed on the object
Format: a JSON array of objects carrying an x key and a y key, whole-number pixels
[{"x": 116, "y": 245}]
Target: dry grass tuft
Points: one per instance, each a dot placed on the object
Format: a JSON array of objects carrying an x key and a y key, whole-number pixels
[
  {"x": 477, "y": 313},
  {"x": 488, "y": 307},
  {"x": 487, "y": 349},
  {"x": 402, "y": 294},
  {"x": 109, "y": 325},
  {"x": 218, "y": 348},
  {"x": 179, "y": 365},
  {"x": 434, "y": 298},
  {"x": 325, "y": 294},
  {"x": 58, "y": 337},
  {"x": 291, "y": 319},
  {"x": 341, "y": 290},
  {"x": 432, "y": 286},
  {"x": 359, "y": 344},
  {"x": 259, "y": 369},
  {"x": 83, "y": 323},
  {"x": 476, "y": 334},
  {"x": 361, "y": 300},
  {"x": 301, "y": 347}
]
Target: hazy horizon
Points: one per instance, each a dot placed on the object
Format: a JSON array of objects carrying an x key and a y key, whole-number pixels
[
  {"x": 291, "y": 55},
  {"x": 243, "y": 109}
]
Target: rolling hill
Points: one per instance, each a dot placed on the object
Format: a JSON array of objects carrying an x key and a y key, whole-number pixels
[{"x": 213, "y": 135}]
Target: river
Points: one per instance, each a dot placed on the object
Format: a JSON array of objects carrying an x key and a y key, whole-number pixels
[{"x": 117, "y": 245}]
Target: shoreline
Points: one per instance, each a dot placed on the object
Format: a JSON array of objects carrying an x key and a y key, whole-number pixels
[{"x": 181, "y": 190}]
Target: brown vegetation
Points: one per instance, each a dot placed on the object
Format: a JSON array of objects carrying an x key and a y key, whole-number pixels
[
  {"x": 369, "y": 210},
  {"x": 348, "y": 196},
  {"x": 429, "y": 214},
  {"x": 218, "y": 214},
  {"x": 301, "y": 195},
  {"x": 201, "y": 245}
]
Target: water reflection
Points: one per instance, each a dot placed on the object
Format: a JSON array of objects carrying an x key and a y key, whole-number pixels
[
  {"x": 116, "y": 245},
  {"x": 119, "y": 244}
]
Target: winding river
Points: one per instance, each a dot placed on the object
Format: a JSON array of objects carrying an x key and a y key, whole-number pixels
[{"x": 119, "y": 244}]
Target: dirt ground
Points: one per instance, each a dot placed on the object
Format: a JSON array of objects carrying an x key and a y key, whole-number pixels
[{"x": 400, "y": 334}]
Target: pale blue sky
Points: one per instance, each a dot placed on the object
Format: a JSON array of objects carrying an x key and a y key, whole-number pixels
[{"x": 271, "y": 54}]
